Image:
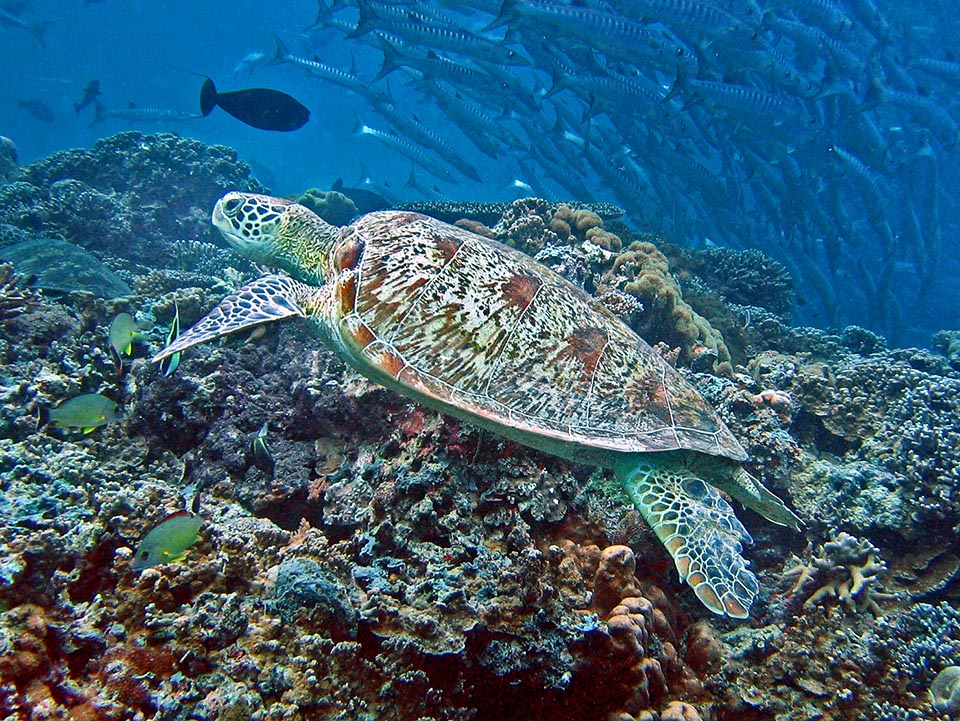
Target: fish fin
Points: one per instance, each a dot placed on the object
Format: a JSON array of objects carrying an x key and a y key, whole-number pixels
[
  {"x": 280, "y": 53},
  {"x": 169, "y": 365},
  {"x": 117, "y": 359},
  {"x": 43, "y": 415},
  {"x": 39, "y": 31},
  {"x": 208, "y": 97},
  {"x": 391, "y": 59},
  {"x": 269, "y": 298},
  {"x": 699, "y": 530}
]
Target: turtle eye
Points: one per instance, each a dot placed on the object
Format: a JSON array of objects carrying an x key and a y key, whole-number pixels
[{"x": 232, "y": 205}]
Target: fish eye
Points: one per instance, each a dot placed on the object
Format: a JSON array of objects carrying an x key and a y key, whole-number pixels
[
  {"x": 143, "y": 555},
  {"x": 232, "y": 205}
]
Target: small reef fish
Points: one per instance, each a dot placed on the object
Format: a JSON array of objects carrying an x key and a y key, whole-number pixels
[
  {"x": 262, "y": 108},
  {"x": 37, "y": 109},
  {"x": 262, "y": 458},
  {"x": 166, "y": 542},
  {"x": 168, "y": 366},
  {"x": 123, "y": 332},
  {"x": 87, "y": 412},
  {"x": 90, "y": 94}
]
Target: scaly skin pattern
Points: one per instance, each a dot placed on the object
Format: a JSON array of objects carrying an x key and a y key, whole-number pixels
[
  {"x": 483, "y": 332},
  {"x": 445, "y": 315},
  {"x": 699, "y": 529}
]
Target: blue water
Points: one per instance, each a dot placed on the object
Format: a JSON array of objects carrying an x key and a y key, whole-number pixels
[{"x": 880, "y": 273}]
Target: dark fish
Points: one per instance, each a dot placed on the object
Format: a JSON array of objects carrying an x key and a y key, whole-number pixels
[
  {"x": 262, "y": 458},
  {"x": 38, "y": 109},
  {"x": 169, "y": 365},
  {"x": 366, "y": 200},
  {"x": 90, "y": 94},
  {"x": 261, "y": 108}
]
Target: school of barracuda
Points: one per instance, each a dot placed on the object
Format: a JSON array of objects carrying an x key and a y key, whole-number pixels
[{"x": 819, "y": 131}]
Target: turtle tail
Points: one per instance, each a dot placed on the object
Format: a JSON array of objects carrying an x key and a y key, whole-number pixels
[
  {"x": 268, "y": 298},
  {"x": 698, "y": 528}
]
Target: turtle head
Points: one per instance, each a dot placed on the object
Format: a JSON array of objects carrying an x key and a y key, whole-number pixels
[{"x": 277, "y": 233}]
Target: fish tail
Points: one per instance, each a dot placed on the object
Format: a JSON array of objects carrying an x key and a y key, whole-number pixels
[
  {"x": 38, "y": 31},
  {"x": 679, "y": 84},
  {"x": 365, "y": 23},
  {"x": 208, "y": 97},
  {"x": 872, "y": 97},
  {"x": 281, "y": 52},
  {"x": 324, "y": 15},
  {"x": 391, "y": 59},
  {"x": 508, "y": 14}
]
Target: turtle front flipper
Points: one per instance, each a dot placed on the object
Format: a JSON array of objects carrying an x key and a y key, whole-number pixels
[
  {"x": 698, "y": 528},
  {"x": 271, "y": 297}
]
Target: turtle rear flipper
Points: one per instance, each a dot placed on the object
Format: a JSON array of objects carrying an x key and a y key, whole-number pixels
[
  {"x": 269, "y": 298},
  {"x": 699, "y": 530},
  {"x": 751, "y": 493}
]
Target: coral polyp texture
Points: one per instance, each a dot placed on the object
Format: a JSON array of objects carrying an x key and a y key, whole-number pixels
[{"x": 394, "y": 563}]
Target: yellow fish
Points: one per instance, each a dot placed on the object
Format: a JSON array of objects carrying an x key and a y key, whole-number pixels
[{"x": 167, "y": 541}]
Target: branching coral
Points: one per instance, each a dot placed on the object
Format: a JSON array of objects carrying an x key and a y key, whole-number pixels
[
  {"x": 847, "y": 569},
  {"x": 745, "y": 277},
  {"x": 131, "y": 195},
  {"x": 15, "y": 297}
]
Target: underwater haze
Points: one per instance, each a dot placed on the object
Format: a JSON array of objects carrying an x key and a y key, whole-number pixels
[
  {"x": 821, "y": 133},
  {"x": 630, "y": 390}
]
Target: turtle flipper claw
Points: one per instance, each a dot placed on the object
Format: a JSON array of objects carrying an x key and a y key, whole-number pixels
[
  {"x": 700, "y": 531},
  {"x": 269, "y": 298}
]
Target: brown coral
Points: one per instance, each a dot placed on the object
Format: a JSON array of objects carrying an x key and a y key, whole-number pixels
[{"x": 642, "y": 270}]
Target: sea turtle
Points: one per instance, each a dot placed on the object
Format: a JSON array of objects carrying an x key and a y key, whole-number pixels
[{"x": 484, "y": 333}]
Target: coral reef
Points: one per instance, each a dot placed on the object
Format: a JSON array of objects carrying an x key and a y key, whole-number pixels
[
  {"x": 745, "y": 277},
  {"x": 15, "y": 296},
  {"x": 846, "y": 569},
  {"x": 643, "y": 271},
  {"x": 334, "y": 207},
  {"x": 399, "y": 564},
  {"x": 129, "y": 196},
  {"x": 9, "y": 168},
  {"x": 489, "y": 214}
]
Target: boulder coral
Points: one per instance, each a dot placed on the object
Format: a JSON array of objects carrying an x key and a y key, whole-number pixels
[
  {"x": 643, "y": 271},
  {"x": 331, "y": 205}
]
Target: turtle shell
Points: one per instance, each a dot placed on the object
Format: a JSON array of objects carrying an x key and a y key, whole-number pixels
[{"x": 479, "y": 330}]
